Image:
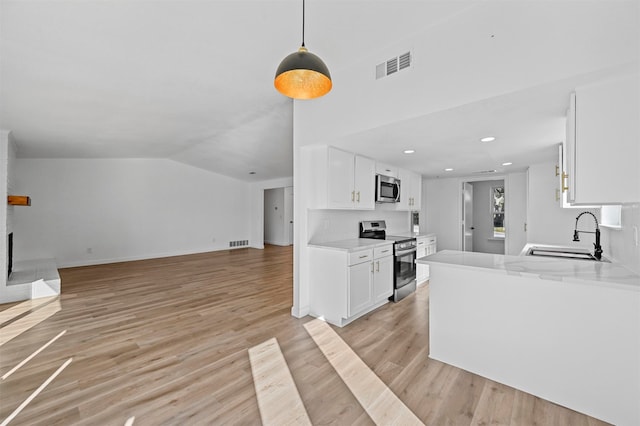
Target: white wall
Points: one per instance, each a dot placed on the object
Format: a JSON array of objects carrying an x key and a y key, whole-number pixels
[
  {"x": 620, "y": 244},
  {"x": 442, "y": 210},
  {"x": 548, "y": 222},
  {"x": 5, "y": 211},
  {"x": 440, "y": 215},
  {"x": 333, "y": 225},
  {"x": 483, "y": 240},
  {"x": 274, "y": 217},
  {"x": 125, "y": 209}
]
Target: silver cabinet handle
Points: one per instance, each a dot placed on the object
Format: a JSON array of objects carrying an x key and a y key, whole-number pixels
[
  {"x": 377, "y": 266},
  {"x": 364, "y": 256},
  {"x": 353, "y": 196},
  {"x": 384, "y": 251},
  {"x": 358, "y": 197}
]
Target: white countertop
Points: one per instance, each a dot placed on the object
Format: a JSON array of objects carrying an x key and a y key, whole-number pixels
[
  {"x": 566, "y": 270},
  {"x": 353, "y": 244},
  {"x": 412, "y": 234}
]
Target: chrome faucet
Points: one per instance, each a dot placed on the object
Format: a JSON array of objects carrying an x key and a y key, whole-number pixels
[{"x": 598, "y": 248}]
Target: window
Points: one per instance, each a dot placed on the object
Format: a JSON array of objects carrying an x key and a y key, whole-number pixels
[{"x": 497, "y": 210}]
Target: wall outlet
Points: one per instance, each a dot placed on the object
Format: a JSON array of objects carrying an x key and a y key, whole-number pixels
[{"x": 89, "y": 250}]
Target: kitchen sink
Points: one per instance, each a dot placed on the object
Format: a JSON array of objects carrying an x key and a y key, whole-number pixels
[{"x": 563, "y": 253}]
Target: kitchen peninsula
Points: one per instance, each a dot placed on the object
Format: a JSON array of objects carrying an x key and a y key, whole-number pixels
[{"x": 565, "y": 330}]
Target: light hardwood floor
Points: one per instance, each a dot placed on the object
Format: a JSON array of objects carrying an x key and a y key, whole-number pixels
[{"x": 167, "y": 341}]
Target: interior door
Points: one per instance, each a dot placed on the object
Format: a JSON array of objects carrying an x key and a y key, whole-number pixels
[
  {"x": 516, "y": 213},
  {"x": 467, "y": 217}
]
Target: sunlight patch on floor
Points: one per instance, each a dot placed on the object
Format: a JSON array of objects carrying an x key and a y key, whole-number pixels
[
  {"x": 382, "y": 405},
  {"x": 22, "y": 307},
  {"x": 278, "y": 398},
  {"x": 23, "y": 324}
]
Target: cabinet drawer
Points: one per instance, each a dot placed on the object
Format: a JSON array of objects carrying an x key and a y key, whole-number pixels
[
  {"x": 379, "y": 252},
  {"x": 360, "y": 256}
]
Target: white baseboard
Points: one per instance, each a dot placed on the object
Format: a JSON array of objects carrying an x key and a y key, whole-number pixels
[
  {"x": 73, "y": 264},
  {"x": 278, "y": 243}
]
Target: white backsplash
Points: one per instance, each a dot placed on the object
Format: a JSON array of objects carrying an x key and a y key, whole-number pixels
[
  {"x": 333, "y": 225},
  {"x": 620, "y": 244}
]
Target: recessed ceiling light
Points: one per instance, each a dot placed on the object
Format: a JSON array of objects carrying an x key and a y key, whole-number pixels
[
  {"x": 488, "y": 139},
  {"x": 507, "y": 164},
  {"x": 409, "y": 151},
  {"x": 448, "y": 170}
]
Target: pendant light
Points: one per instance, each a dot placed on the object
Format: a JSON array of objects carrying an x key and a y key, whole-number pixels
[{"x": 303, "y": 75}]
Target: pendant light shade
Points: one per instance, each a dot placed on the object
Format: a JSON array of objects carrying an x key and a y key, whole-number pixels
[{"x": 303, "y": 75}]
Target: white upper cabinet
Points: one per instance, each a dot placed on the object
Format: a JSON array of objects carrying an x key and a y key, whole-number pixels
[
  {"x": 364, "y": 182},
  {"x": 386, "y": 170},
  {"x": 338, "y": 179},
  {"x": 410, "y": 190},
  {"x": 602, "y": 146}
]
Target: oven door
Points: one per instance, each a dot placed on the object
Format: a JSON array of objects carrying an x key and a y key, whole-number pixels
[{"x": 405, "y": 267}]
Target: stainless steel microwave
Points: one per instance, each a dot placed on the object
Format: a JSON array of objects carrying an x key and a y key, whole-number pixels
[{"x": 387, "y": 189}]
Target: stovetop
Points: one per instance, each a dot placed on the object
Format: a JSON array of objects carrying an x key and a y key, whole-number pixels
[{"x": 377, "y": 230}]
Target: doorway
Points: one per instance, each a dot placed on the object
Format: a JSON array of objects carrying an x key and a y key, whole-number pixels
[
  {"x": 278, "y": 216},
  {"x": 483, "y": 216}
]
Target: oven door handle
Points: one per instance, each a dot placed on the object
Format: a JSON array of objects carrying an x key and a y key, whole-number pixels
[{"x": 406, "y": 251}]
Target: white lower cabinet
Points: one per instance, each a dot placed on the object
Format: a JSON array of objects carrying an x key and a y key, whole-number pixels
[
  {"x": 382, "y": 278},
  {"x": 426, "y": 245},
  {"x": 347, "y": 284},
  {"x": 360, "y": 287}
]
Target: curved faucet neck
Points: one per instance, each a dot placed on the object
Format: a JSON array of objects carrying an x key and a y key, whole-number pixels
[{"x": 592, "y": 215}]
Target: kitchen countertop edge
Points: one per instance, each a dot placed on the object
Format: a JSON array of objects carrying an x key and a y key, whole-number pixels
[
  {"x": 351, "y": 245},
  {"x": 562, "y": 270}
]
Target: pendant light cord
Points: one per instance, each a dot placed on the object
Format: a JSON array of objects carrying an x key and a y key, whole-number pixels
[{"x": 303, "y": 23}]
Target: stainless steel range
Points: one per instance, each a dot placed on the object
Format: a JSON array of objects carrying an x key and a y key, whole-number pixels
[{"x": 404, "y": 254}]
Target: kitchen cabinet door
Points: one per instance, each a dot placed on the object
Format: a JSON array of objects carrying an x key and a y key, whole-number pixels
[
  {"x": 421, "y": 270},
  {"x": 426, "y": 246},
  {"x": 602, "y": 146},
  {"x": 360, "y": 293},
  {"x": 364, "y": 183},
  {"x": 410, "y": 189},
  {"x": 405, "y": 190},
  {"x": 340, "y": 173},
  {"x": 382, "y": 278},
  {"x": 416, "y": 191}
]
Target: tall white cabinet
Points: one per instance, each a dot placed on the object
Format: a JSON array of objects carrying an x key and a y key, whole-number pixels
[{"x": 602, "y": 147}]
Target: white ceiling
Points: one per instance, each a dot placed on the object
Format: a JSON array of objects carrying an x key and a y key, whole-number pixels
[{"x": 193, "y": 81}]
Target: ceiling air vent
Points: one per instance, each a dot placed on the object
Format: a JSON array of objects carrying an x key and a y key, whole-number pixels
[
  {"x": 481, "y": 172},
  {"x": 405, "y": 60},
  {"x": 393, "y": 65}
]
